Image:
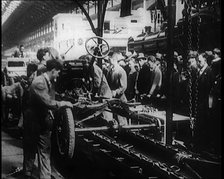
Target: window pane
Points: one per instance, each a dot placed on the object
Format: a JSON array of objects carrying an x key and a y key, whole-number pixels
[{"x": 16, "y": 64}]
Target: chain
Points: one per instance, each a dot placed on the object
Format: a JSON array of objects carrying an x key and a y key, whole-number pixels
[
  {"x": 190, "y": 94},
  {"x": 196, "y": 96},
  {"x": 189, "y": 35},
  {"x": 198, "y": 25},
  {"x": 190, "y": 102},
  {"x": 189, "y": 46},
  {"x": 193, "y": 119}
]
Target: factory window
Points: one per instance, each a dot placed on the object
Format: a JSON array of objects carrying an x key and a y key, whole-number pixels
[
  {"x": 134, "y": 21},
  {"x": 152, "y": 17},
  {"x": 107, "y": 26},
  {"x": 51, "y": 26},
  {"x": 16, "y": 64},
  {"x": 55, "y": 26},
  {"x": 48, "y": 28}
]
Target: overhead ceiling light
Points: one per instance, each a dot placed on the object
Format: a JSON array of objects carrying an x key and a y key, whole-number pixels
[{"x": 9, "y": 9}]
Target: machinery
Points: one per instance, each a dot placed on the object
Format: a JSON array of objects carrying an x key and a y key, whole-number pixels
[
  {"x": 138, "y": 148},
  {"x": 134, "y": 151},
  {"x": 204, "y": 22}
]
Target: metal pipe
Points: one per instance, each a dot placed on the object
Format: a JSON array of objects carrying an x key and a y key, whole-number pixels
[
  {"x": 105, "y": 128},
  {"x": 170, "y": 55},
  {"x": 155, "y": 15}
]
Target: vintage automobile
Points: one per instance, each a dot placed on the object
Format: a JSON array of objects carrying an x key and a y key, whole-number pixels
[
  {"x": 14, "y": 82},
  {"x": 16, "y": 66},
  {"x": 71, "y": 85}
]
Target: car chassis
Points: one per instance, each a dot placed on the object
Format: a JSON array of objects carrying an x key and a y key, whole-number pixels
[{"x": 69, "y": 121}]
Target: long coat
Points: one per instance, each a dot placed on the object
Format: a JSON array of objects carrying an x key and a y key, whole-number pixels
[{"x": 203, "y": 122}]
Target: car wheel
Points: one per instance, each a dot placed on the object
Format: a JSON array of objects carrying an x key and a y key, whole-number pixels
[{"x": 65, "y": 132}]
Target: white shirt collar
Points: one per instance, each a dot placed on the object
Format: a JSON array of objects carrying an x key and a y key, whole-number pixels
[
  {"x": 203, "y": 69},
  {"x": 47, "y": 78}
]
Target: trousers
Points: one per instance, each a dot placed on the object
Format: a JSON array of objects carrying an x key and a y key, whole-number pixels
[{"x": 36, "y": 141}]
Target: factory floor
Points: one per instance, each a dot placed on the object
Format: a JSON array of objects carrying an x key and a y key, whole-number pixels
[{"x": 12, "y": 154}]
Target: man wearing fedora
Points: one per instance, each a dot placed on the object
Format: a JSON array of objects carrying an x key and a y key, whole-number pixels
[{"x": 143, "y": 78}]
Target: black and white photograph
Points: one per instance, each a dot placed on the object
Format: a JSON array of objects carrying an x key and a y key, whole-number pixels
[{"x": 111, "y": 89}]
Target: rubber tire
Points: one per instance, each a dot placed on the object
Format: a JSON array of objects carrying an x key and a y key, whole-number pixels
[{"x": 66, "y": 116}]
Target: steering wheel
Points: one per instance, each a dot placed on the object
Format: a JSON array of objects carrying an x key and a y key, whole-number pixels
[{"x": 95, "y": 49}]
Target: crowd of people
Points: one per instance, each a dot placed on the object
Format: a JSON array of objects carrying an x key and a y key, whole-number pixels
[
  {"x": 196, "y": 87},
  {"x": 145, "y": 77},
  {"x": 130, "y": 77}
]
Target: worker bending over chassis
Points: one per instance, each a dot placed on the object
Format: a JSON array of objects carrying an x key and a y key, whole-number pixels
[
  {"x": 38, "y": 121},
  {"x": 117, "y": 80},
  {"x": 102, "y": 88}
]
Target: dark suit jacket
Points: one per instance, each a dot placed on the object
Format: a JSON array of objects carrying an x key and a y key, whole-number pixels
[
  {"x": 205, "y": 81},
  {"x": 144, "y": 79},
  {"x": 203, "y": 120},
  {"x": 41, "y": 100}
]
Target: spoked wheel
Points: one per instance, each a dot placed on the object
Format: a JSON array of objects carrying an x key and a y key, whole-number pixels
[
  {"x": 65, "y": 133},
  {"x": 95, "y": 49}
]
